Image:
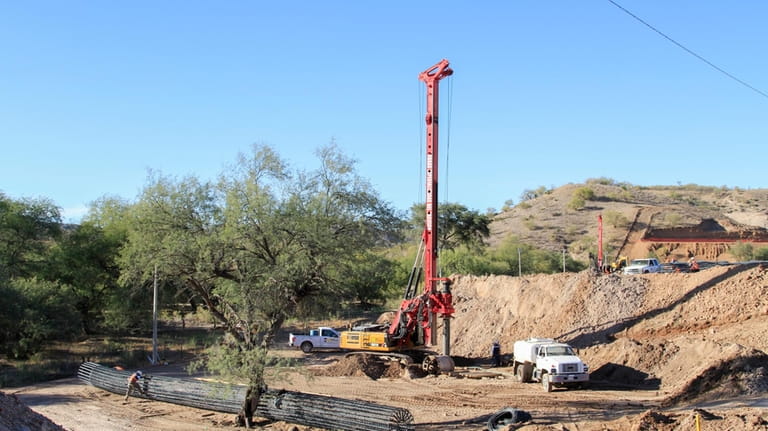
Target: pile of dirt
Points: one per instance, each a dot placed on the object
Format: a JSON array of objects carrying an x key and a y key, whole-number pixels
[
  {"x": 694, "y": 336},
  {"x": 361, "y": 365},
  {"x": 652, "y": 420},
  {"x": 15, "y": 416}
]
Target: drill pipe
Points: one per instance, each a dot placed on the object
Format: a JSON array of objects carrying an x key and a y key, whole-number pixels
[{"x": 318, "y": 411}]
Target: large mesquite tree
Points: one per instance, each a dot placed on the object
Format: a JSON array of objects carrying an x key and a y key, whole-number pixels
[{"x": 255, "y": 245}]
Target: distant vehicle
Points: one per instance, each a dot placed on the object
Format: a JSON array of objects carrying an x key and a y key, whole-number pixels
[
  {"x": 642, "y": 266},
  {"x": 320, "y": 338},
  {"x": 551, "y": 363}
]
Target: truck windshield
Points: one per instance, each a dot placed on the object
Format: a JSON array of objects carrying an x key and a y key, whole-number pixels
[{"x": 559, "y": 351}]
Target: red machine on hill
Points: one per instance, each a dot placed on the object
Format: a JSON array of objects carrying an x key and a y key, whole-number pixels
[{"x": 415, "y": 324}]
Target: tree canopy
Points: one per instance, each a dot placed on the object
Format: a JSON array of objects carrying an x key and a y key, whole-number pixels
[
  {"x": 260, "y": 242},
  {"x": 457, "y": 225}
]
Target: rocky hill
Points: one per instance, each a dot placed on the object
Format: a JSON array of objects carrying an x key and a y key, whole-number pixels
[{"x": 567, "y": 217}]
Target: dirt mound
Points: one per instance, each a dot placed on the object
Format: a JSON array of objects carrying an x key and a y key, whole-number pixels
[
  {"x": 362, "y": 365},
  {"x": 16, "y": 416},
  {"x": 745, "y": 374},
  {"x": 694, "y": 336},
  {"x": 652, "y": 420}
]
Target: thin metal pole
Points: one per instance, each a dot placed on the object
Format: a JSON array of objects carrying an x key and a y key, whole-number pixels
[
  {"x": 563, "y": 260},
  {"x": 154, "y": 322},
  {"x": 519, "y": 264}
]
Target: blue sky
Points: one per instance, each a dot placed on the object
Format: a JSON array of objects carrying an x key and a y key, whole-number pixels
[{"x": 93, "y": 94}]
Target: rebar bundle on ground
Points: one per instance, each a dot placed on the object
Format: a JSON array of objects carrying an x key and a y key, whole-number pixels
[{"x": 318, "y": 411}]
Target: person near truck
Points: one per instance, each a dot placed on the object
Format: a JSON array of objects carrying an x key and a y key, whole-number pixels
[
  {"x": 496, "y": 354},
  {"x": 133, "y": 384}
]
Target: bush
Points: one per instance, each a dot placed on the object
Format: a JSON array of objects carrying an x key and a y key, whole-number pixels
[
  {"x": 34, "y": 312},
  {"x": 761, "y": 254},
  {"x": 615, "y": 219},
  {"x": 742, "y": 251}
]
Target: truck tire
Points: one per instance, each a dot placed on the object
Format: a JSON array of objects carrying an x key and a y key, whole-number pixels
[
  {"x": 524, "y": 372},
  {"x": 306, "y": 347},
  {"x": 546, "y": 382}
]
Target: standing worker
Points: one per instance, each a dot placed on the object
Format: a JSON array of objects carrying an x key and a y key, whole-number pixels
[
  {"x": 496, "y": 354},
  {"x": 133, "y": 383}
]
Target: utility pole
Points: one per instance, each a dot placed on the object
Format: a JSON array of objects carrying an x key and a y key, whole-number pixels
[
  {"x": 563, "y": 259},
  {"x": 155, "y": 358}
]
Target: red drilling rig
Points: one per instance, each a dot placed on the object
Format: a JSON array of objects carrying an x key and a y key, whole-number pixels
[{"x": 415, "y": 324}]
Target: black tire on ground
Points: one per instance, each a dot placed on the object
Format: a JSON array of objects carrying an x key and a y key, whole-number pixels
[{"x": 306, "y": 347}]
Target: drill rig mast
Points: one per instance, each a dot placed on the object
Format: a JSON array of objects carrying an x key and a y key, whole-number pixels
[
  {"x": 415, "y": 324},
  {"x": 416, "y": 320}
]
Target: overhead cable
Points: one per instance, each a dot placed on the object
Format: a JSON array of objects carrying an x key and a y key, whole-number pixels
[{"x": 712, "y": 65}]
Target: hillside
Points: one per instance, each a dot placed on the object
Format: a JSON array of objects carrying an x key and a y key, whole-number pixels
[{"x": 550, "y": 221}]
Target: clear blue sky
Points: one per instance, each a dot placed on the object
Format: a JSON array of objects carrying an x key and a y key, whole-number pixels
[{"x": 545, "y": 93}]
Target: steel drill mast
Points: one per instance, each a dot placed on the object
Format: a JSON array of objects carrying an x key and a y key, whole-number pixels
[{"x": 439, "y": 301}]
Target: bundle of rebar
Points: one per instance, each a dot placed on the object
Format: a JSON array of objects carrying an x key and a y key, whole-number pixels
[{"x": 313, "y": 410}]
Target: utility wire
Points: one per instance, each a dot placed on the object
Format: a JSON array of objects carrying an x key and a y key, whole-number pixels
[{"x": 689, "y": 51}]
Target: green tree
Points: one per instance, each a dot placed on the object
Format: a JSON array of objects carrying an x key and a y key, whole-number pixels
[
  {"x": 580, "y": 198},
  {"x": 368, "y": 279},
  {"x": 84, "y": 261},
  {"x": 465, "y": 261},
  {"x": 256, "y": 246},
  {"x": 34, "y": 311},
  {"x": 457, "y": 225},
  {"x": 26, "y": 228}
]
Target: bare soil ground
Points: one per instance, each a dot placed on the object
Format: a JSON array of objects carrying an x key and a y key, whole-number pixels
[{"x": 661, "y": 348}]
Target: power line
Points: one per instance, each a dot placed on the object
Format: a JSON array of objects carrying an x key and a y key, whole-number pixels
[{"x": 689, "y": 51}]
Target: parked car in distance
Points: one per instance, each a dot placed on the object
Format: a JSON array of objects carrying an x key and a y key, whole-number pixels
[{"x": 642, "y": 266}]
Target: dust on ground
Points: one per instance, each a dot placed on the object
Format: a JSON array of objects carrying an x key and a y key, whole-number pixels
[{"x": 662, "y": 348}]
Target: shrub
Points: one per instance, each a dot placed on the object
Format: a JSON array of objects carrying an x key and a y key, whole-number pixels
[
  {"x": 742, "y": 251},
  {"x": 615, "y": 219}
]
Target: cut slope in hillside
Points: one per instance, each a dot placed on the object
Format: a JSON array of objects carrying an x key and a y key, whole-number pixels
[
  {"x": 673, "y": 331},
  {"x": 550, "y": 220}
]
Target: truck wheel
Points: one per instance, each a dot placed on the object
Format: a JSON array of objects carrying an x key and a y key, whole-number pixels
[
  {"x": 546, "y": 383},
  {"x": 524, "y": 372},
  {"x": 306, "y": 347}
]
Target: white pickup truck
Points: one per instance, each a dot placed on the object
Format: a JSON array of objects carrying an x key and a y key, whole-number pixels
[
  {"x": 642, "y": 266},
  {"x": 551, "y": 363},
  {"x": 320, "y": 338}
]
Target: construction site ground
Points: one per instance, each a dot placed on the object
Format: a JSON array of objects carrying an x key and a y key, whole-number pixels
[{"x": 661, "y": 348}]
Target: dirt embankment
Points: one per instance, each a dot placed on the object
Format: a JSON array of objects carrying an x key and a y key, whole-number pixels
[
  {"x": 693, "y": 336},
  {"x": 14, "y": 416}
]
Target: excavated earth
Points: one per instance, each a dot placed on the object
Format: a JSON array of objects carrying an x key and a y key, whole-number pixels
[{"x": 662, "y": 348}]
